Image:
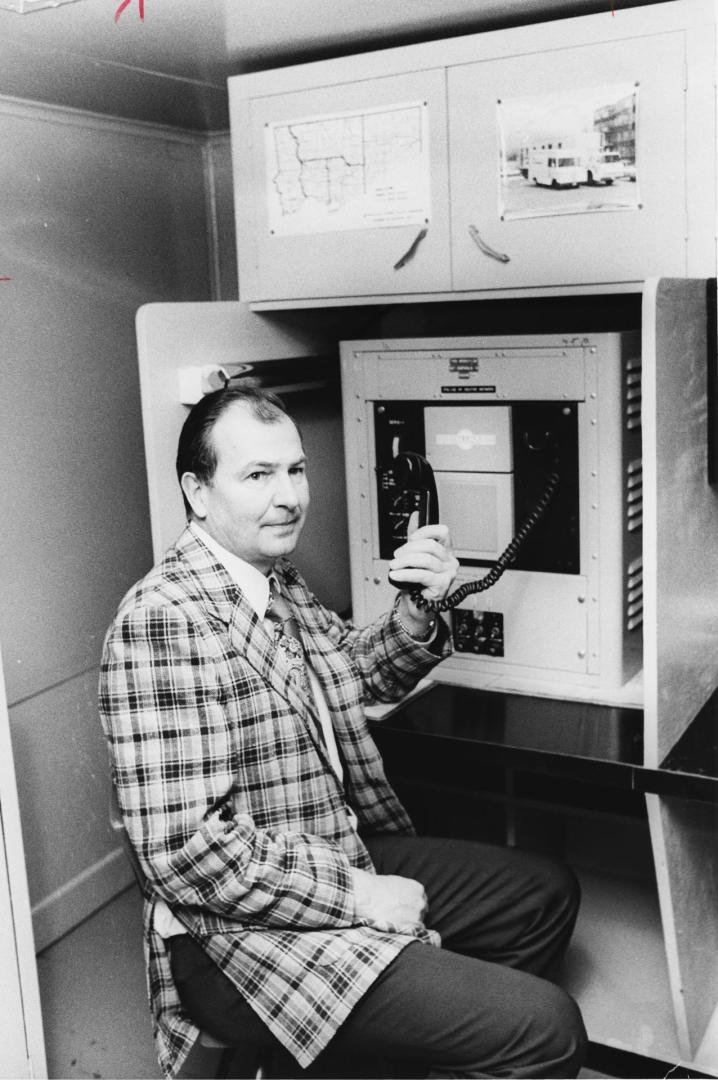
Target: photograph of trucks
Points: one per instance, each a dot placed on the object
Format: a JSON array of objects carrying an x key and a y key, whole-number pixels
[{"x": 580, "y": 144}]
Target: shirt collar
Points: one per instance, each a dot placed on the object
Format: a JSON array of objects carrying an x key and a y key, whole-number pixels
[{"x": 252, "y": 582}]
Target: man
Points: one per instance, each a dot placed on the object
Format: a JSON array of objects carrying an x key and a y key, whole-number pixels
[{"x": 288, "y": 900}]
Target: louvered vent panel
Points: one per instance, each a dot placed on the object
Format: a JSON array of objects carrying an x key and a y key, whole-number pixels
[
  {"x": 634, "y": 594},
  {"x": 633, "y": 395},
  {"x": 634, "y": 495}
]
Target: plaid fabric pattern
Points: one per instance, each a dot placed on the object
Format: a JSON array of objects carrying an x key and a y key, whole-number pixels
[{"x": 230, "y": 800}]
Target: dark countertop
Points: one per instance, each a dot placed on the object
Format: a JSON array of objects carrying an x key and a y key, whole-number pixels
[{"x": 466, "y": 732}]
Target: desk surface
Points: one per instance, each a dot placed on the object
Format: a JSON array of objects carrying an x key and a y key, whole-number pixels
[{"x": 598, "y": 744}]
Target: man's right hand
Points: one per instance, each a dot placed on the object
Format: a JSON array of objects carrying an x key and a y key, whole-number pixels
[{"x": 387, "y": 901}]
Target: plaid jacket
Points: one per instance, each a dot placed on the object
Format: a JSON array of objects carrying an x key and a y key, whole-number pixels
[{"x": 230, "y": 801}]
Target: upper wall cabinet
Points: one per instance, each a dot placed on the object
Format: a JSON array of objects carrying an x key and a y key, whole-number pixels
[
  {"x": 568, "y": 165},
  {"x": 342, "y": 189},
  {"x": 575, "y": 154}
]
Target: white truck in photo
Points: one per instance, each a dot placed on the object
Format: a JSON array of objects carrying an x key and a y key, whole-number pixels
[
  {"x": 603, "y": 166},
  {"x": 556, "y": 168}
]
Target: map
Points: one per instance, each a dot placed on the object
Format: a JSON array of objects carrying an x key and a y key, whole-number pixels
[{"x": 351, "y": 170}]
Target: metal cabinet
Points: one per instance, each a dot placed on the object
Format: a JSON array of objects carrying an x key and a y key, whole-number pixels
[
  {"x": 342, "y": 188},
  {"x": 578, "y": 154},
  {"x": 568, "y": 166}
]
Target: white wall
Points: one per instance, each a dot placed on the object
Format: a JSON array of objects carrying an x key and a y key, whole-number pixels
[{"x": 99, "y": 217}]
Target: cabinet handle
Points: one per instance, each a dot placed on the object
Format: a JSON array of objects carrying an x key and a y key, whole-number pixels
[
  {"x": 483, "y": 246},
  {"x": 411, "y": 252}
]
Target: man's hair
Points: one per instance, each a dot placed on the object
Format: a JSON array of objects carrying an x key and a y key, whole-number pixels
[{"x": 196, "y": 451}]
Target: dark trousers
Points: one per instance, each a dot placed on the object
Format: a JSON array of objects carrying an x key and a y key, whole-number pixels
[{"x": 481, "y": 1006}]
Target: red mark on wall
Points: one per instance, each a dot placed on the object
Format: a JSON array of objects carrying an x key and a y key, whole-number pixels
[
  {"x": 5, "y": 279},
  {"x": 126, "y": 3}
]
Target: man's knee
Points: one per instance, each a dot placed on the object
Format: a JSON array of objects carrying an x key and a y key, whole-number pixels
[
  {"x": 556, "y": 1037},
  {"x": 555, "y": 890},
  {"x": 537, "y": 1031},
  {"x": 555, "y": 878}
]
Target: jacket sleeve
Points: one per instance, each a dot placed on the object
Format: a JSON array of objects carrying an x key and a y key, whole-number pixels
[
  {"x": 388, "y": 660},
  {"x": 174, "y": 761}
]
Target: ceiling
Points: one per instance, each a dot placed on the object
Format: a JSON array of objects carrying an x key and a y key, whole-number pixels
[{"x": 171, "y": 67}]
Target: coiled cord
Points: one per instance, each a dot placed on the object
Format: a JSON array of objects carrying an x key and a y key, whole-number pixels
[{"x": 502, "y": 563}]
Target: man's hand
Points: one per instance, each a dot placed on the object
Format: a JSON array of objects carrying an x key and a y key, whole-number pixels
[
  {"x": 426, "y": 560},
  {"x": 387, "y": 901}
]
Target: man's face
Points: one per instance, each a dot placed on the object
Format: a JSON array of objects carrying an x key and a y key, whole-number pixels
[{"x": 256, "y": 502}]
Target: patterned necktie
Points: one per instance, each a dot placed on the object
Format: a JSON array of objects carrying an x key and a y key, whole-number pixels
[{"x": 286, "y": 637}]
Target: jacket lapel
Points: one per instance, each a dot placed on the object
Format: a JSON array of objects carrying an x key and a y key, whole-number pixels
[
  {"x": 256, "y": 645},
  {"x": 247, "y": 634}
]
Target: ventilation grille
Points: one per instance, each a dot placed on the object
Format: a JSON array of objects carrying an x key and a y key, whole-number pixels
[
  {"x": 634, "y": 396},
  {"x": 634, "y": 495},
  {"x": 634, "y": 594}
]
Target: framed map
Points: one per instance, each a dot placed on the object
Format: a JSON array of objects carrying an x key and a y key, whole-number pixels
[{"x": 349, "y": 170}]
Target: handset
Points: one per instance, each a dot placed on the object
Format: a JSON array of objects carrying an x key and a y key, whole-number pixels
[
  {"x": 505, "y": 559},
  {"x": 415, "y": 494}
]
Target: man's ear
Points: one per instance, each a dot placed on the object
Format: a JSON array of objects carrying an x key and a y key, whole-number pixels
[{"x": 194, "y": 493}]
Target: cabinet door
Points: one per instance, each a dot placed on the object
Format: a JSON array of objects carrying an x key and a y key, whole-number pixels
[
  {"x": 568, "y": 166},
  {"x": 337, "y": 185}
]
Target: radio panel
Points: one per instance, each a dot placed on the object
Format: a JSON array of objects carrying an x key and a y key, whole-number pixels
[
  {"x": 491, "y": 463},
  {"x": 494, "y": 418}
]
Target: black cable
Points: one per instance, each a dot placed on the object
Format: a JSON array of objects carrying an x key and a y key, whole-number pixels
[{"x": 502, "y": 563}]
